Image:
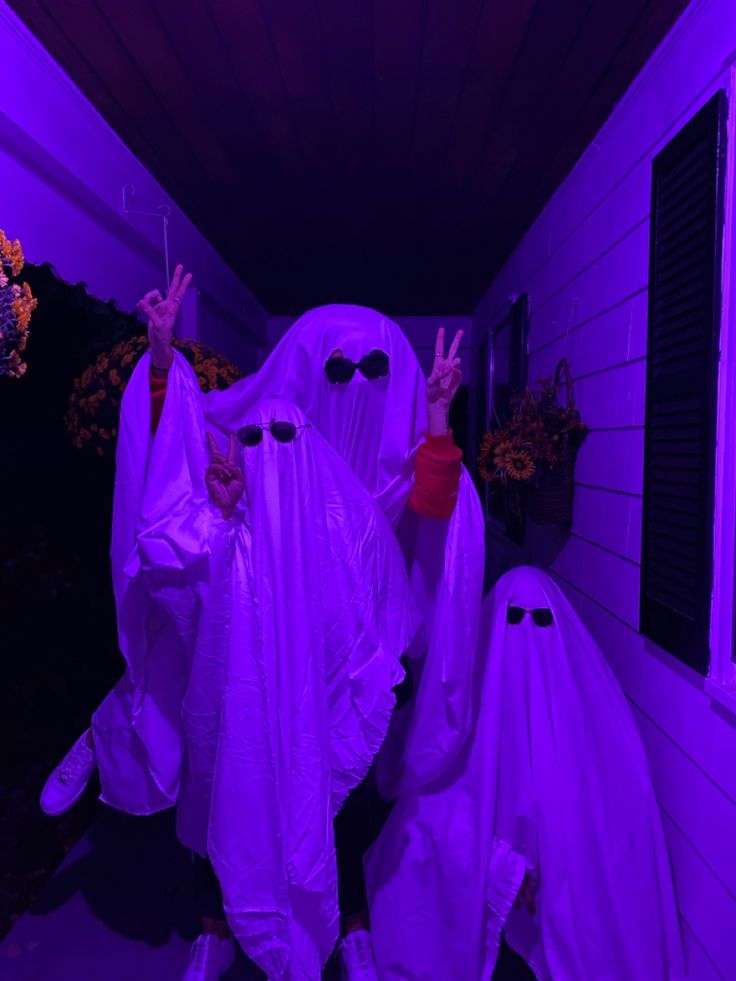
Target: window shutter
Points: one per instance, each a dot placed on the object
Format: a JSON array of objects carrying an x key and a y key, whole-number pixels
[{"x": 682, "y": 359}]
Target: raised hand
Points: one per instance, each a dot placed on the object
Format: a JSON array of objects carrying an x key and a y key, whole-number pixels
[
  {"x": 162, "y": 314},
  {"x": 224, "y": 478},
  {"x": 443, "y": 382}
]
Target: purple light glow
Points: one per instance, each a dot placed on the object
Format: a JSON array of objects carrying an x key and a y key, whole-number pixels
[{"x": 571, "y": 785}]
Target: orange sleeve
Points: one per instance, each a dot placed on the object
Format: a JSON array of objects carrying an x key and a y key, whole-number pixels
[
  {"x": 437, "y": 470},
  {"x": 158, "y": 394}
]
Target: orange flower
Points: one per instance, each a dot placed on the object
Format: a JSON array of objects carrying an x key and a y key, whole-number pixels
[
  {"x": 12, "y": 253},
  {"x": 519, "y": 465},
  {"x": 502, "y": 453}
]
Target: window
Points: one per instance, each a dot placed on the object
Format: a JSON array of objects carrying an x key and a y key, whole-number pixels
[
  {"x": 682, "y": 364},
  {"x": 505, "y": 363},
  {"x": 503, "y": 366}
]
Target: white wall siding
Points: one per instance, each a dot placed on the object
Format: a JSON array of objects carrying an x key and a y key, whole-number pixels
[{"x": 584, "y": 265}]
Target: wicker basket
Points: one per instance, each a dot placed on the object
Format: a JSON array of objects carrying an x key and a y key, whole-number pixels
[{"x": 551, "y": 501}]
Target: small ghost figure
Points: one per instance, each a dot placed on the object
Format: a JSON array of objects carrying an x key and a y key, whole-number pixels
[{"x": 548, "y": 827}]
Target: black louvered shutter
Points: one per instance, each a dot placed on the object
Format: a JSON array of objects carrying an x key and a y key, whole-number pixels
[{"x": 682, "y": 360}]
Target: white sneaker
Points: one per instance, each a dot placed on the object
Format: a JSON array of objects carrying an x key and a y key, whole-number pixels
[
  {"x": 210, "y": 958},
  {"x": 356, "y": 957},
  {"x": 70, "y": 778}
]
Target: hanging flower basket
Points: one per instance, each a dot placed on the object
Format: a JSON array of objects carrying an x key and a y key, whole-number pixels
[
  {"x": 17, "y": 303},
  {"x": 94, "y": 404},
  {"x": 529, "y": 463}
]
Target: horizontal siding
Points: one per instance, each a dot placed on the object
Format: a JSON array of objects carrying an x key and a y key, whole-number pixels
[
  {"x": 699, "y": 807},
  {"x": 584, "y": 265},
  {"x": 624, "y": 328},
  {"x": 613, "y": 459},
  {"x": 613, "y": 521},
  {"x": 603, "y": 576},
  {"x": 708, "y": 908},
  {"x": 667, "y": 92},
  {"x": 690, "y": 749}
]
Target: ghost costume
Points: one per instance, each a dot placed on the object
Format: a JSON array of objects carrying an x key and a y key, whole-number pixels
[
  {"x": 279, "y": 632},
  {"x": 377, "y": 426},
  {"x": 555, "y": 785}
]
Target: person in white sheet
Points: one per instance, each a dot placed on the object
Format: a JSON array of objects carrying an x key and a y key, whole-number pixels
[
  {"x": 554, "y": 786},
  {"x": 279, "y": 623},
  {"x": 355, "y": 376},
  {"x": 359, "y": 382}
]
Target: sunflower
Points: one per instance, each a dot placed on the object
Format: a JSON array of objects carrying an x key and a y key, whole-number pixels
[
  {"x": 519, "y": 465},
  {"x": 502, "y": 453},
  {"x": 485, "y": 455}
]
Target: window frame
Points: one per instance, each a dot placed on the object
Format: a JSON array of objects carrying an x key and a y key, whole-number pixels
[
  {"x": 516, "y": 316},
  {"x": 720, "y": 680}
]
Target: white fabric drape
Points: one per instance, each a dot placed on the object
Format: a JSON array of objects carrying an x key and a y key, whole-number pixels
[
  {"x": 376, "y": 426},
  {"x": 280, "y": 634},
  {"x": 554, "y": 784}
]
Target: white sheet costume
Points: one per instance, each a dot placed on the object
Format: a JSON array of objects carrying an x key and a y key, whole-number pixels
[
  {"x": 376, "y": 426},
  {"x": 261, "y": 652},
  {"x": 554, "y": 783}
]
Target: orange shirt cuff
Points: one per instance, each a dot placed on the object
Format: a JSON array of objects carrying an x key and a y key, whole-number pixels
[
  {"x": 437, "y": 471},
  {"x": 157, "y": 386}
]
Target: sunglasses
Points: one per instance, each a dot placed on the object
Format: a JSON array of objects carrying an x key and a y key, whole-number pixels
[
  {"x": 542, "y": 617},
  {"x": 340, "y": 370},
  {"x": 282, "y": 432}
]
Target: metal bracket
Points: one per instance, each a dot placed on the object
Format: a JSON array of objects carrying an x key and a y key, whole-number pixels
[{"x": 162, "y": 213}]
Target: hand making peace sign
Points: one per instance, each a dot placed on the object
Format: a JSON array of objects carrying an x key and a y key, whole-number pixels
[
  {"x": 443, "y": 382},
  {"x": 162, "y": 314},
  {"x": 446, "y": 375},
  {"x": 224, "y": 478}
]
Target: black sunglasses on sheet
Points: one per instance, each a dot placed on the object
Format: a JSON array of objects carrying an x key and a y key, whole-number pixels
[
  {"x": 340, "y": 370},
  {"x": 542, "y": 617},
  {"x": 282, "y": 432}
]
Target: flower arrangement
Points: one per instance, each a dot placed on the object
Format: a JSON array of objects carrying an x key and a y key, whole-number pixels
[
  {"x": 92, "y": 414},
  {"x": 536, "y": 448},
  {"x": 17, "y": 303}
]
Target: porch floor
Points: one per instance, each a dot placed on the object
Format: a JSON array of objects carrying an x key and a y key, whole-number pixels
[{"x": 121, "y": 908}]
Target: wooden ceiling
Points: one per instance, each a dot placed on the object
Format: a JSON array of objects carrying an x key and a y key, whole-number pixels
[{"x": 387, "y": 152}]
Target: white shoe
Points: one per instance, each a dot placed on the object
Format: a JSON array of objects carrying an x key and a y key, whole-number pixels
[
  {"x": 70, "y": 778},
  {"x": 210, "y": 958},
  {"x": 357, "y": 961}
]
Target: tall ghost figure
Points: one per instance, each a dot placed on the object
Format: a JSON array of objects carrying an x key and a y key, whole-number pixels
[
  {"x": 377, "y": 425},
  {"x": 554, "y": 786}
]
